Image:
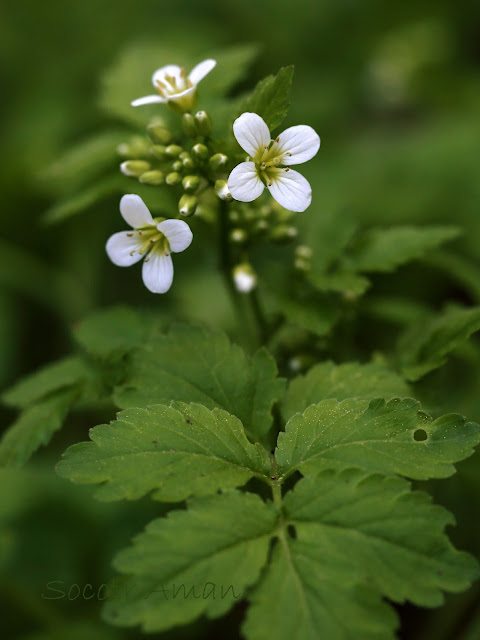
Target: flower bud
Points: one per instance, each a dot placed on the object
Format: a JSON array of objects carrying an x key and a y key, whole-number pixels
[
  {"x": 189, "y": 125},
  {"x": 188, "y": 163},
  {"x": 302, "y": 251},
  {"x": 153, "y": 178},
  {"x": 203, "y": 122},
  {"x": 135, "y": 149},
  {"x": 283, "y": 234},
  {"x": 158, "y": 151},
  {"x": 238, "y": 236},
  {"x": 221, "y": 189},
  {"x": 244, "y": 278},
  {"x": 173, "y": 178},
  {"x": 177, "y": 165},
  {"x": 173, "y": 150},
  {"x": 300, "y": 264},
  {"x": 233, "y": 215},
  {"x": 134, "y": 168},
  {"x": 159, "y": 134},
  {"x": 187, "y": 205},
  {"x": 218, "y": 161},
  {"x": 191, "y": 183},
  {"x": 261, "y": 226},
  {"x": 200, "y": 151}
]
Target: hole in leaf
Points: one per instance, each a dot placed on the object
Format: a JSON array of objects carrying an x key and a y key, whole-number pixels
[
  {"x": 420, "y": 435},
  {"x": 292, "y": 532}
]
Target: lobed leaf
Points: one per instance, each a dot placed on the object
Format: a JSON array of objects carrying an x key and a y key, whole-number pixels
[{"x": 176, "y": 451}]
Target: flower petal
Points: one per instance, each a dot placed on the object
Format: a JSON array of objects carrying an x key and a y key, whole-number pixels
[
  {"x": 135, "y": 212},
  {"x": 244, "y": 183},
  {"x": 147, "y": 100},
  {"x": 172, "y": 70},
  {"x": 251, "y": 132},
  {"x": 122, "y": 248},
  {"x": 291, "y": 190},
  {"x": 175, "y": 97},
  {"x": 201, "y": 70},
  {"x": 178, "y": 234},
  {"x": 157, "y": 272},
  {"x": 302, "y": 142}
]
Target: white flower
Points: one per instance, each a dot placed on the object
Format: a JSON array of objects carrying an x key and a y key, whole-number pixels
[
  {"x": 270, "y": 161},
  {"x": 152, "y": 240},
  {"x": 175, "y": 87},
  {"x": 244, "y": 278}
]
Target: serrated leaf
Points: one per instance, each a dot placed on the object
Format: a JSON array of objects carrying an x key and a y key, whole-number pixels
[
  {"x": 218, "y": 546},
  {"x": 270, "y": 98},
  {"x": 190, "y": 364},
  {"x": 35, "y": 427},
  {"x": 176, "y": 451},
  {"x": 426, "y": 347},
  {"x": 111, "y": 331},
  {"x": 377, "y": 436},
  {"x": 69, "y": 371},
  {"x": 386, "y": 249},
  {"x": 350, "y": 380}
]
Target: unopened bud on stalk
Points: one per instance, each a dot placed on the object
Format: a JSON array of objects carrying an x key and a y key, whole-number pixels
[
  {"x": 261, "y": 226},
  {"x": 191, "y": 183},
  {"x": 134, "y": 168},
  {"x": 177, "y": 165},
  {"x": 159, "y": 134},
  {"x": 302, "y": 251},
  {"x": 300, "y": 264},
  {"x": 204, "y": 123},
  {"x": 173, "y": 150},
  {"x": 158, "y": 151},
  {"x": 135, "y": 149},
  {"x": 244, "y": 278},
  {"x": 173, "y": 178},
  {"x": 189, "y": 125},
  {"x": 153, "y": 178},
  {"x": 283, "y": 234},
  {"x": 200, "y": 151},
  {"x": 218, "y": 161},
  {"x": 188, "y": 163},
  {"x": 187, "y": 205},
  {"x": 238, "y": 236},
  {"x": 221, "y": 189}
]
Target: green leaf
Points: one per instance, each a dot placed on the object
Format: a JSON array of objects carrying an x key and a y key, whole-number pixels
[
  {"x": 317, "y": 313},
  {"x": 190, "y": 364},
  {"x": 232, "y": 66},
  {"x": 35, "y": 427},
  {"x": 116, "y": 330},
  {"x": 181, "y": 450},
  {"x": 426, "y": 346},
  {"x": 194, "y": 562},
  {"x": 346, "y": 282},
  {"x": 355, "y": 534},
  {"x": 378, "y": 436},
  {"x": 53, "y": 377},
  {"x": 270, "y": 98},
  {"x": 350, "y": 380},
  {"x": 386, "y": 249}
]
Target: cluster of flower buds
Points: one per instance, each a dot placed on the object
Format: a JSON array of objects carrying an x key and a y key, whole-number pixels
[
  {"x": 159, "y": 159},
  {"x": 269, "y": 222},
  {"x": 303, "y": 258}
]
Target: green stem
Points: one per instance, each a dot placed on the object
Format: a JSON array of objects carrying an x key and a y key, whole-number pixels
[{"x": 262, "y": 324}]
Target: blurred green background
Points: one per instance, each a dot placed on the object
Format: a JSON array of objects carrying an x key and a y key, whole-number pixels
[{"x": 393, "y": 89}]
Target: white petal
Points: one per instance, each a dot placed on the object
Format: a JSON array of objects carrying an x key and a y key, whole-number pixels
[
  {"x": 178, "y": 234},
  {"x": 169, "y": 70},
  {"x": 244, "y": 183},
  {"x": 122, "y": 249},
  {"x": 135, "y": 212},
  {"x": 251, "y": 132},
  {"x": 174, "y": 97},
  {"x": 201, "y": 70},
  {"x": 157, "y": 272},
  {"x": 301, "y": 141},
  {"x": 291, "y": 190},
  {"x": 147, "y": 100}
]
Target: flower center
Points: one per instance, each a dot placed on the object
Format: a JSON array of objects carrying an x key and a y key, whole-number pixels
[
  {"x": 150, "y": 240},
  {"x": 269, "y": 160},
  {"x": 170, "y": 85}
]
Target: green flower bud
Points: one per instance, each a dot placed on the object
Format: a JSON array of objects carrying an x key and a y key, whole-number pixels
[
  {"x": 302, "y": 251},
  {"x": 173, "y": 178},
  {"x": 187, "y": 205},
  {"x": 188, "y": 125},
  {"x": 283, "y": 234},
  {"x": 159, "y": 134},
  {"x": 191, "y": 183},
  {"x": 238, "y": 236},
  {"x": 152, "y": 177},
  {"x": 234, "y": 215},
  {"x": 158, "y": 151},
  {"x": 300, "y": 264},
  {"x": 177, "y": 165},
  {"x": 261, "y": 226},
  {"x": 134, "y": 168},
  {"x": 135, "y": 149},
  {"x": 221, "y": 189},
  {"x": 203, "y": 122},
  {"x": 188, "y": 163},
  {"x": 173, "y": 150},
  {"x": 218, "y": 161},
  {"x": 200, "y": 151}
]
